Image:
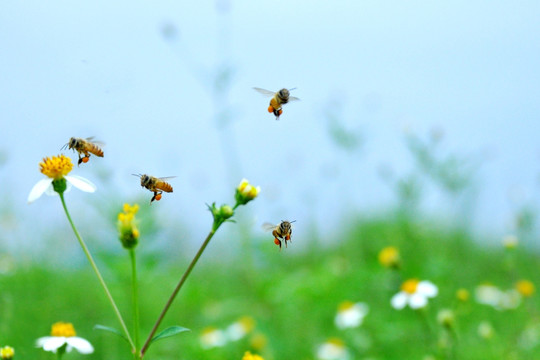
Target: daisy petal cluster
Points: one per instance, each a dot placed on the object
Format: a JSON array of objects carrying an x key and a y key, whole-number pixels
[
  {"x": 333, "y": 349},
  {"x": 491, "y": 295},
  {"x": 127, "y": 226},
  {"x": 63, "y": 334},
  {"x": 415, "y": 294},
  {"x": 245, "y": 192},
  {"x": 350, "y": 315},
  {"x": 7, "y": 353},
  {"x": 57, "y": 168}
]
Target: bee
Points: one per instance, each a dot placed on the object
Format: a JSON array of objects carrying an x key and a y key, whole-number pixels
[
  {"x": 278, "y": 99},
  {"x": 85, "y": 146},
  {"x": 156, "y": 185},
  {"x": 281, "y": 231}
]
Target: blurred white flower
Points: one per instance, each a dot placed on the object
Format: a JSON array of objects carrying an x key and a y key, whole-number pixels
[
  {"x": 488, "y": 294},
  {"x": 414, "y": 293},
  {"x": 240, "y": 328},
  {"x": 212, "y": 337},
  {"x": 64, "y": 334},
  {"x": 350, "y": 314},
  {"x": 332, "y": 349}
]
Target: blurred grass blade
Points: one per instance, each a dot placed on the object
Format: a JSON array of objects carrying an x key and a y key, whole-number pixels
[
  {"x": 168, "y": 332},
  {"x": 111, "y": 330}
]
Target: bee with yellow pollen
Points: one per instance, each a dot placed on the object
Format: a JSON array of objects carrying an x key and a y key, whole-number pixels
[{"x": 57, "y": 168}]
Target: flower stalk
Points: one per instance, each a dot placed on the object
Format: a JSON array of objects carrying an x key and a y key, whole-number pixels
[{"x": 96, "y": 270}]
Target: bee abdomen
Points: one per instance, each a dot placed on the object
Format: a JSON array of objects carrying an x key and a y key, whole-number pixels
[
  {"x": 96, "y": 150},
  {"x": 165, "y": 187}
]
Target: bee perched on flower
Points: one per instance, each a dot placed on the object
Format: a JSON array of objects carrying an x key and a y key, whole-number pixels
[
  {"x": 63, "y": 339},
  {"x": 414, "y": 293},
  {"x": 57, "y": 168}
]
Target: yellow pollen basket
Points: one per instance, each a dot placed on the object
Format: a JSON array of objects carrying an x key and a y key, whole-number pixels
[
  {"x": 63, "y": 329},
  {"x": 56, "y": 167},
  {"x": 410, "y": 286}
]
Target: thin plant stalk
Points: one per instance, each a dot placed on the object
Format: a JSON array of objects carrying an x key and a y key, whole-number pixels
[
  {"x": 177, "y": 289},
  {"x": 135, "y": 289},
  {"x": 96, "y": 270}
]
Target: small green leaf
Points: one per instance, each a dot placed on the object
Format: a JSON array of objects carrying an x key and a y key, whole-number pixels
[
  {"x": 111, "y": 330},
  {"x": 168, "y": 332}
]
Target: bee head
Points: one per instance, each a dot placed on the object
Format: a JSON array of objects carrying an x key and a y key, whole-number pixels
[{"x": 284, "y": 93}]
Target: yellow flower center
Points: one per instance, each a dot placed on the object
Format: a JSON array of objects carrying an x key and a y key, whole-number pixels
[
  {"x": 389, "y": 257},
  {"x": 249, "y": 356},
  {"x": 63, "y": 329},
  {"x": 247, "y": 323},
  {"x": 336, "y": 342},
  {"x": 346, "y": 305},
  {"x": 410, "y": 286},
  {"x": 462, "y": 295},
  {"x": 127, "y": 226},
  {"x": 525, "y": 288},
  {"x": 7, "y": 352},
  {"x": 56, "y": 167}
]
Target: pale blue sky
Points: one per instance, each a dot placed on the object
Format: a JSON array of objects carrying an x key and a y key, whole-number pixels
[{"x": 105, "y": 69}]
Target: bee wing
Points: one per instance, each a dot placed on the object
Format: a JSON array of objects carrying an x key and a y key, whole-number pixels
[
  {"x": 268, "y": 226},
  {"x": 95, "y": 142},
  {"x": 166, "y": 177},
  {"x": 293, "y": 98},
  {"x": 264, "y": 92}
]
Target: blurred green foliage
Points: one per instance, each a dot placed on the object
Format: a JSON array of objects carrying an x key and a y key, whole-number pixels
[{"x": 292, "y": 295}]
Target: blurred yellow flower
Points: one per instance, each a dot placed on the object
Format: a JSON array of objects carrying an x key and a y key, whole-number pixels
[
  {"x": 510, "y": 242},
  {"x": 389, "y": 257},
  {"x": 525, "y": 288},
  {"x": 127, "y": 226},
  {"x": 258, "y": 341},
  {"x": 250, "y": 356},
  {"x": 463, "y": 295},
  {"x": 246, "y": 192},
  {"x": 7, "y": 353}
]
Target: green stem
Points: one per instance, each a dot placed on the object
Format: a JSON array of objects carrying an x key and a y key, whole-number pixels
[
  {"x": 98, "y": 274},
  {"x": 136, "y": 322},
  {"x": 177, "y": 289}
]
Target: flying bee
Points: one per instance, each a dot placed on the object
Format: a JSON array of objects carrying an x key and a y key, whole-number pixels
[
  {"x": 279, "y": 98},
  {"x": 85, "y": 146},
  {"x": 156, "y": 185},
  {"x": 282, "y": 231}
]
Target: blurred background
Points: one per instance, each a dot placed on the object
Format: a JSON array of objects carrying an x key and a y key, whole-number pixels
[{"x": 426, "y": 110}]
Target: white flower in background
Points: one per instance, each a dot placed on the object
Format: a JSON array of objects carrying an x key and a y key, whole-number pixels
[
  {"x": 240, "y": 328},
  {"x": 333, "y": 349},
  {"x": 491, "y": 295},
  {"x": 414, "y": 293},
  {"x": 212, "y": 337},
  {"x": 56, "y": 169},
  {"x": 485, "y": 330},
  {"x": 350, "y": 315},
  {"x": 64, "y": 334}
]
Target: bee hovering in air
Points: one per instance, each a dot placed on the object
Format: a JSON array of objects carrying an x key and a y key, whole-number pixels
[
  {"x": 85, "y": 146},
  {"x": 278, "y": 99},
  {"x": 282, "y": 231},
  {"x": 156, "y": 185}
]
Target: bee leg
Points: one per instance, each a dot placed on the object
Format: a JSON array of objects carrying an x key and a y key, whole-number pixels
[{"x": 277, "y": 242}]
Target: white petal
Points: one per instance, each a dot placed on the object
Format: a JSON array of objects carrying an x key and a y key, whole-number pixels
[
  {"x": 80, "y": 344},
  {"x": 51, "y": 343},
  {"x": 81, "y": 183},
  {"x": 427, "y": 288},
  {"x": 399, "y": 300},
  {"x": 417, "y": 301},
  {"x": 39, "y": 189}
]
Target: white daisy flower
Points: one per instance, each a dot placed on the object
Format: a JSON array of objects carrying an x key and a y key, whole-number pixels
[
  {"x": 240, "y": 328},
  {"x": 56, "y": 168},
  {"x": 333, "y": 349},
  {"x": 488, "y": 294},
  {"x": 350, "y": 315},
  {"x": 414, "y": 293},
  {"x": 64, "y": 334},
  {"x": 212, "y": 337}
]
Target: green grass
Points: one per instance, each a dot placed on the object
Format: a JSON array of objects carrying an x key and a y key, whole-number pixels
[{"x": 292, "y": 295}]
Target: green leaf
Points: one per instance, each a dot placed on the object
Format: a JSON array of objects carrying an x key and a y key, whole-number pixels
[
  {"x": 111, "y": 330},
  {"x": 168, "y": 332}
]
